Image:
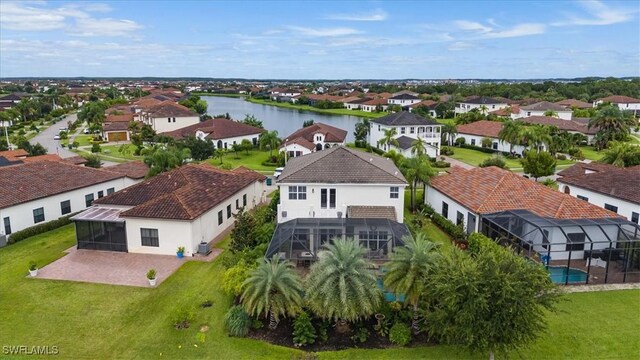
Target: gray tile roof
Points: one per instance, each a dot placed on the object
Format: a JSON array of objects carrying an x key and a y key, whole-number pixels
[
  {"x": 544, "y": 106},
  {"x": 341, "y": 165},
  {"x": 483, "y": 100},
  {"x": 372, "y": 212},
  {"x": 405, "y": 142},
  {"x": 404, "y": 118}
]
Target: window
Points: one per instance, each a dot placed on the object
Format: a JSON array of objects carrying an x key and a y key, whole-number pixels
[
  {"x": 332, "y": 198},
  {"x": 38, "y": 215},
  {"x": 110, "y": 191},
  {"x": 611, "y": 208},
  {"x": 445, "y": 209},
  {"x": 401, "y": 130},
  {"x": 328, "y": 198},
  {"x": 582, "y": 197},
  {"x": 378, "y": 127},
  {"x": 88, "y": 200},
  {"x": 459, "y": 218},
  {"x": 237, "y": 204},
  {"x": 228, "y": 211},
  {"x": 634, "y": 217},
  {"x": 473, "y": 141},
  {"x": 394, "y": 192},
  {"x": 412, "y": 130},
  {"x": 7, "y": 225},
  {"x": 528, "y": 113},
  {"x": 100, "y": 194},
  {"x": 220, "y": 217},
  {"x": 545, "y": 239},
  {"x": 244, "y": 200},
  {"x": 494, "y": 145},
  {"x": 575, "y": 242},
  {"x": 65, "y": 207},
  {"x": 168, "y": 120},
  {"x": 149, "y": 237},
  {"x": 297, "y": 193}
]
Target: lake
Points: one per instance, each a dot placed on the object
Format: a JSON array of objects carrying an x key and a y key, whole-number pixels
[{"x": 285, "y": 121}]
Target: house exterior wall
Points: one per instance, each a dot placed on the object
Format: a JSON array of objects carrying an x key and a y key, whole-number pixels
[
  {"x": 435, "y": 199},
  {"x": 372, "y": 108},
  {"x": 462, "y": 108},
  {"x": 476, "y": 140},
  {"x": 162, "y": 124},
  {"x": 558, "y": 241},
  {"x": 227, "y": 143},
  {"x": 403, "y": 102},
  {"x": 296, "y": 149},
  {"x": 21, "y": 215},
  {"x": 431, "y": 134},
  {"x": 346, "y": 195},
  {"x": 564, "y": 115},
  {"x": 117, "y": 136},
  {"x": 625, "y": 208},
  {"x": 621, "y": 106}
]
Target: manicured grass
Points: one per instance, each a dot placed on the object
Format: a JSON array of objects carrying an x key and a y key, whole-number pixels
[
  {"x": 591, "y": 153},
  {"x": 252, "y": 161},
  {"x": 104, "y": 321},
  {"x": 359, "y": 113},
  {"x": 87, "y": 151},
  {"x": 114, "y": 151},
  {"x": 450, "y": 121},
  {"x": 83, "y": 140},
  {"x": 475, "y": 157}
]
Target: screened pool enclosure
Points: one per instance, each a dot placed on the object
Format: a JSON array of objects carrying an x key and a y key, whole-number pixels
[
  {"x": 575, "y": 251},
  {"x": 300, "y": 240}
]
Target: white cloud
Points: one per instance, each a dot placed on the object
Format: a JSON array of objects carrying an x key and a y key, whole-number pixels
[
  {"x": 472, "y": 26},
  {"x": 599, "y": 14},
  {"x": 375, "y": 15},
  {"x": 489, "y": 32},
  {"x": 326, "y": 32},
  {"x": 104, "y": 27},
  {"x": 460, "y": 46},
  {"x": 16, "y": 17}
]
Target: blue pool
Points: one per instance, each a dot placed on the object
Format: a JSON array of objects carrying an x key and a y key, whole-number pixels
[
  {"x": 389, "y": 296},
  {"x": 559, "y": 275}
]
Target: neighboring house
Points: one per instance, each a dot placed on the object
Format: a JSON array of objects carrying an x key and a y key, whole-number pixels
[
  {"x": 479, "y": 103},
  {"x": 339, "y": 192},
  {"x": 573, "y": 103},
  {"x": 36, "y": 192},
  {"x": 540, "y": 108},
  {"x": 571, "y": 126},
  {"x": 409, "y": 125},
  {"x": 169, "y": 116},
  {"x": 116, "y": 127},
  {"x": 607, "y": 186},
  {"x": 474, "y": 132},
  {"x": 512, "y": 111},
  {"x": 623, "y": 102},
  {"x": 313, "y": 138},
  {"x": 429, "y": 104},
  {"x": 373, "y": 105},
  {"x": 181, "y": 207},
  {"x": 403, "y": 100},
  {"x": 541, "y": 223},
  {"x": 222, "y": 132}
]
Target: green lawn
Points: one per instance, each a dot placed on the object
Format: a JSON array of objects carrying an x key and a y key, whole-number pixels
[
  {"x": 104, "y": 321},
  {"x": 114, "y": 151},
  {"x": 83, "y": 140},
  {"x": 359, "y": 113},
  {"x": 591, "y": 153},
  {"x": 475, "y": 157},
  {"x": 252, "y": 161}
]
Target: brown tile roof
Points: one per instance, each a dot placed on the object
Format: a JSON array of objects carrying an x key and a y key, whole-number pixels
[
  {"x": 131, "y": 169},
  {"x": 574, "y": 103},
  {"x": 170, "y": 109},
  {"x": 619, "y": 99},
  {"x": 621, "y": 183},
  {"x": 544, "y": 106},
  {"x": 146, "y": 102},
  {"x": 372, "y": 212},
  {"x": 376, "y": 101},
  {"x": 45, "y": 157},
  {"x": 427, "y": 103},
  {"x": 300, "y": 141},
  {"x": 568, "y": 125},
  {"x": 31, "y": 181},
  {"x": 116, "y": 126},
  {"x": 331, "y": 133},
  {"x": 118, "y": 118},
  {"x": 341, "y": 165},
  {"x": 582, "y": 168},
  {"x": 218, "y": 128},
  {"x": 481, "y": 128},
  {"x": 75, "y": 160},
  {"x": 17, "y": 154},
  {"x": 513, "y": 109},
  {"x": 491, "y": 189},
  {"x": 184, "y": 193}
]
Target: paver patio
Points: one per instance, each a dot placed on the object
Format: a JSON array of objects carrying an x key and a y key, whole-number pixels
[{"x": 115, "y": 268}]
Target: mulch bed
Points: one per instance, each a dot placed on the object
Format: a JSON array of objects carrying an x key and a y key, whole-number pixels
[{"x": 283, "y": 336}]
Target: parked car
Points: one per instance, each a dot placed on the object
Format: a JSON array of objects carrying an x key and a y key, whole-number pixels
[
  {"x": 57, "y": 137},
  {"x": 277, "y": 172},
  {"x": 86, "y": 131}
]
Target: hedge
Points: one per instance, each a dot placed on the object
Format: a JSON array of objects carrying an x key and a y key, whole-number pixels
[
  {"x": 39, "y": 229},
  {"x": 479, "y": 242}
]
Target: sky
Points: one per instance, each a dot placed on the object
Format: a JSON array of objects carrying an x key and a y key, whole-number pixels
[{"x": 320, "y": 40}]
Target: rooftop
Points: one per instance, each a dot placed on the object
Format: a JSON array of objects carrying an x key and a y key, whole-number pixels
[
  {"x": 131, "y": 169},
  {"x": 574, "y": 103},
  {"x": 331, "y": 133},
  {"x": 218, "y": 128},
  {"x": 404, "y": 118},
  {"x": 483, "y": 100},
  {"x": 568, "y": 125},
  {"x": 169, "y": 108},
  {"x": 544, "y": 106},
  {"x": 484, "y": 128},
  {"x": 621, "y": 183},
  {"x": 619, "y": 99}
]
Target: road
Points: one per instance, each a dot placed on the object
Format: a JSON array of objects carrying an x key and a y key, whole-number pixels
[{"x": 45, "y": 138}]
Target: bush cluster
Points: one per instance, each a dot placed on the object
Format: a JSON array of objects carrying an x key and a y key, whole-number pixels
[
  {"x": 400, "y": 334},
  {"x": 39, "y": 229}
]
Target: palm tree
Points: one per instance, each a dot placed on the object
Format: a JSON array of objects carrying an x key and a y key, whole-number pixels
[
  {"x": 417, "y": 170},
  {"x": 449, "y": 132},
  {"x": 409, "y": 267},
  {"x": 269, "y": 139},
  {"x": 536, "y": 135},
  {"x": 26, "y": 108},
  {"x": 273, "y": 289},
  {"x": 388, "y": 138},
  {"x": 621, "y": 154},
  {"x": 418, "y": 147},
  {"x": 483, "y": 109},
  {"x": 551, "y": 113},
  {"x": 395, "y": 156},
  {"x": 342, "y": 285},
  {"x": 612, "y": 123},
  {"x": 511, "y": 132}
]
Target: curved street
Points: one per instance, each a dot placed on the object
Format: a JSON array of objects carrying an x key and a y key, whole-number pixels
[{"x": 45, "y": 137}]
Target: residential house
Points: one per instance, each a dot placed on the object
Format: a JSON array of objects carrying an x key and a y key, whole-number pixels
[
  {"x": 607, "y": 186},
  {"x": 481, "y": 102},
  {"x": 222, "y": 132},
  {"x": 428, "y": 104},
  {"x": 474, "y": 132},
  {"x": 403, "y": 100},
  {"x": 625, "y": 103},
  {"x": 373, "y": 105},
  {"x": 540, "y": 108},
  {"x": 570, "y": 236},
  {"x": 336, "y": 193},
  {"x": 570, "y": 126},
  {"x": 573, "y": 103},
  {"x": 116, "y": 127},
  {"x": 409, "y": 125},
  {"x": 169, "y": 116},
  {"x": 179, "y": 208},
  {"x": 36, "y": 192},
  {"x": 313, "y": 138}
]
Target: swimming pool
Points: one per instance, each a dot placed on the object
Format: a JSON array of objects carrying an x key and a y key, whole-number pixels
[
  {"x": 559, "y": 275},
  {"x": 389, "y": 296}
]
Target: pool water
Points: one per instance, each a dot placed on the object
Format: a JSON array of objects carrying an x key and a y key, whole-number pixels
[
  {"x": 559, "y": 275},
  {"x": 389, "y": 296}
]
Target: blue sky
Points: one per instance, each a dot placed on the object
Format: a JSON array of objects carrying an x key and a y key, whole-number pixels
[{"x": 310, "y": 40}]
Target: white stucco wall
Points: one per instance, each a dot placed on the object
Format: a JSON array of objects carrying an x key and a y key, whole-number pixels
[
  {"x": 431, "y": 134},
  {"x": 462, "y": 108},
  {"x": 295, "y": 148},
  {"x": 163, "y": 125},
  {"x": 564, "y": 115},
  {"x": 622, "y": 106},
  {"x": 502, "y": 146},
  {"x": 227, "y": 143},
  {"x": 403, "y": 102},
  {"x": 435, "y": 198},
  {"x": 346, "y": 195},
  {"x": 625, "y": 208}
]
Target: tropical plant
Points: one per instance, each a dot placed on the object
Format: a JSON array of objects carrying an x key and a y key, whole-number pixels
[
  {"x": 234, "y": 277},
  {"x": 273, "y": 289},
  {"x": 388, "y": 138},
  {"x": 417, "y": 170},
  {"x": 408, "y": 268},
  {"x": 511, "y": 133},
  {"x": 486, "y": 142},
  {"x": 496, "y": 160},
  {"x": 361, "y": 131},
  {"x": 160, "y": 160},
  {"x": 236, "y": 148},
  {"x": 341, "y": 285},
  {"x": 269, "y": 140},
  {"x": 303, "y": 331},
  {"x": 449, "y": 132},
  {"x": 551, "y": 113},
  {"x": 400, "y": 334},
  {"x": 151, "y": 274},
  {"x": 535, "y": 136},
  {"x": 219, "y": 153},
  {"x": 483, "y": 109},
  {"x": 621, "y": 154},
  {"x": 538, "y": 164},
  {"x": 93, "y": 161},
  {"x": 33, "y": 266},
  {"x": 418, "y": 147},
  {"x": 611, "y": 124},
  {"x": 395, "y": 156},
  {"x": 246, "y": 145},
  {"x": 237, "y": 321}
]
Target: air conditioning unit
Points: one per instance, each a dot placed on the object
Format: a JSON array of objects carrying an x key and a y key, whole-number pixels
[
  {"x": 3, "y": 240},
  {"x": 284, "y": 214},
  {"x": 203, "y": 248}
]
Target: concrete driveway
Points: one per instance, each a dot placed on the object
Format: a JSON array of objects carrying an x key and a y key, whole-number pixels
[{"x": 45, "y": 138}]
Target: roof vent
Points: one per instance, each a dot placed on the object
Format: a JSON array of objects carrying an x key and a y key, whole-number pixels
[{"x": 370, "y": 159}]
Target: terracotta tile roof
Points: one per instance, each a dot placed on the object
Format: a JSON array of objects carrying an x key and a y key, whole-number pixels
[
  {"x": 218, "y": 128},
  {"x": 621, "y": 183},
  {"x": 146, "y": 102},
  {"x": 31, "y": 181},
  {"x": 331, "y": 133},
  {"x": 619, "y": 99},
  {"x": 376, "y": 101},
  {"x": 404, "y": 118},
  {"x": 14, "y": 154},
  {"x": 582, "y": 168},
  {"x": 132, "y": 169},
  {"x": 45, "y": 157},
  {"x": 568, "y": 125},
  {"x": 300, "y": 141},
  {"x": 184, "y": 193},
  {"x": 574, "y": 103},
  {"x": 427, "y": 103},
  {"x": 544, "y": 106},
  {"x": 341, "y": 165},
  {"x": 513, "y": 109},
  {"x": 484, "y": 128},
  {"x": 118, "y": 118},
  {"x": 116, "y": 126},
  {"x": 491, "y": 189},
  {"x": 372, "y": 212},
  {"x": 75, "y": 160},
  {"x": 170, "y": 109}
]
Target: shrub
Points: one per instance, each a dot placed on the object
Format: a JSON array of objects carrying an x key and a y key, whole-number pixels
[
  {"x": 460, "y": 141},
  {"x": 447, "y": 150},
  {"x": 576, "y": 154},
  {"x": 234, "y": 277},
  {"x": 237, "y": 321},
  {"x": 257, "y": 324},
  {"x": 361, "y": 334},
  {"x": 479, "y": 242},
  {"x": 39, "y": 229},
  {"x": 561, "y": 157},
  {"x": 323, "y": 330},
  {"x": 151, "y": 274},
  {"x": 400, "y": 334},
  {"x": 33, "y": 266},
  {"x": 182, "y": 318},
  {"x": 226, "y": 166},
  {"x": 455, "y": 231},
  {"x": 95, "y": 148},
  {"x": 550, "y": 183},
  {"x": 494, "y": 161},
  {"x": 486, "y": 142},
  {"x": 303, "y": 331},
  {"x": 441, "y": 164}
]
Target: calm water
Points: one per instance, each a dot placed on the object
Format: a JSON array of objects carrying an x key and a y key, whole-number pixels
[{"x": 285, "y": 121}]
